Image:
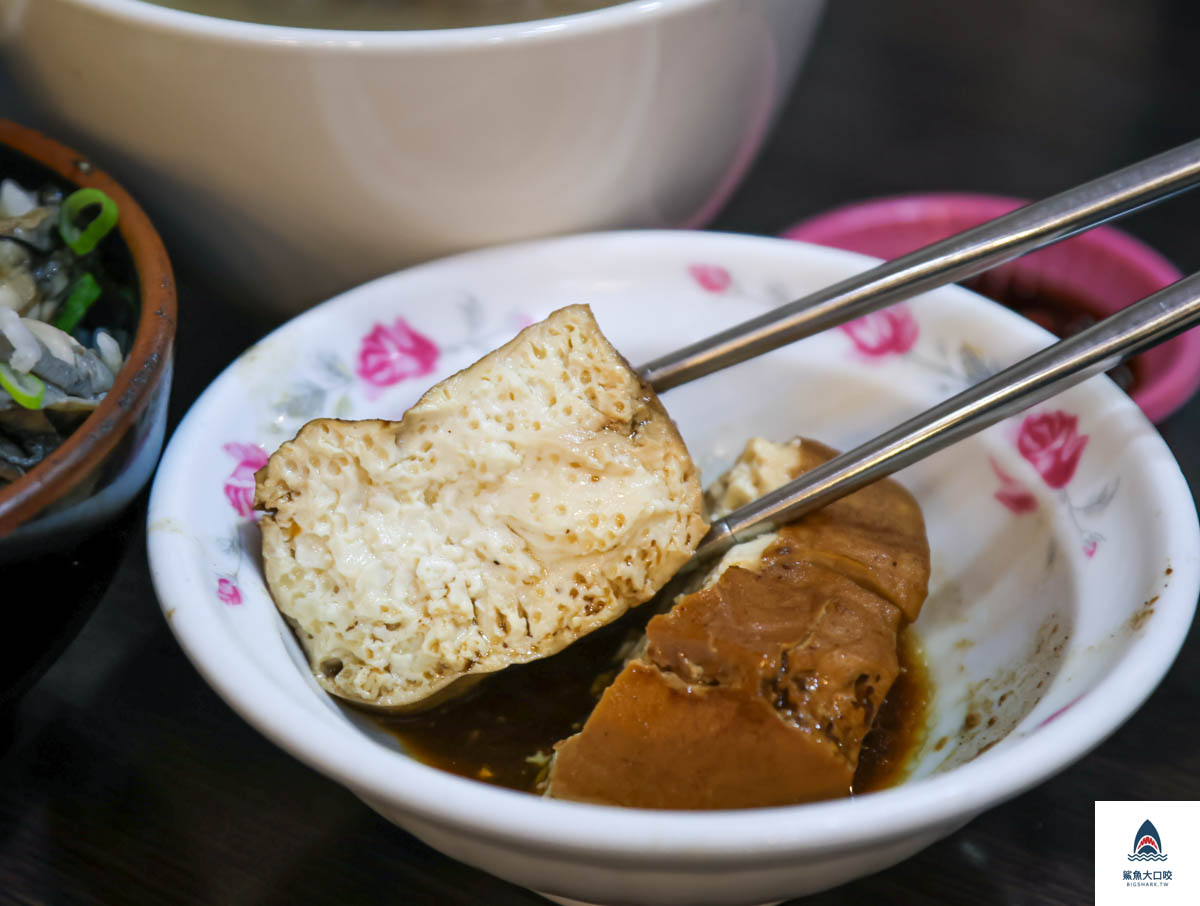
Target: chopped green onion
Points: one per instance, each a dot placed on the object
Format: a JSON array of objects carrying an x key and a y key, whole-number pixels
[
  {"x": 83, "y": 295},
  {"x": 26, "y": 389},
  {"x": 84, "y": 240}
]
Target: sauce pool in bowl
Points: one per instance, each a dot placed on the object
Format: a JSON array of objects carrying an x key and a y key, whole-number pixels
[{"x": 503, "y": 732}]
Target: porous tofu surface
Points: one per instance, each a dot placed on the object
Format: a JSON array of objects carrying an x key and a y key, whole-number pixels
[{"x": 521, "y": 503}]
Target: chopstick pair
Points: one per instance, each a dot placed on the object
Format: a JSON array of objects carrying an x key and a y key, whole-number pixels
[{"x": 1100, "y": 347}]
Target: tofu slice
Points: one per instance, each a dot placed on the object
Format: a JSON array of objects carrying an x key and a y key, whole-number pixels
[{"x": 520, "y": 504}]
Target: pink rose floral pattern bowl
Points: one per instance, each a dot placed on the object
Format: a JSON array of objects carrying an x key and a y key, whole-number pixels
[{"x": 1065, "y": 548}]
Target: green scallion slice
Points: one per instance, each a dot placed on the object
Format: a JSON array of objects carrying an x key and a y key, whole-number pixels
[
  {"x": 27, "y": 389},
  {"x": 83, "y": 295},
  {"x": 83, "y": 240}
]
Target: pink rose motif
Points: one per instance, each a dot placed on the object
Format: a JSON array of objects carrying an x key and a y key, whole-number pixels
[
  {"x": 1089, "y": 548},
  {"x": 389, "y": 355},
  {"x": 239, "y": 486},
  {"x": 893, "y": 330},
  {"x": 228, "y": 592},
  {"x": 1012, "y": 494},
  {"x": 711, "y": 277},
  {"x": 241, "y": 497},
  {"x": 1051, "y": 443}
]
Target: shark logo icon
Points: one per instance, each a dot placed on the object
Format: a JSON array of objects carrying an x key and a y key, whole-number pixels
[{"x": 1147, "y": 845}]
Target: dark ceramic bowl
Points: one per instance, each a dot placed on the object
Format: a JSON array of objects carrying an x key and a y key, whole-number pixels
[{"x": 64, "y": 525}]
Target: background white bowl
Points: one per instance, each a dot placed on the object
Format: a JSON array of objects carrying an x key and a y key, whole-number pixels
[
  {"x": 1053, "y": 611},
  {"x": 293, "y": 163}
]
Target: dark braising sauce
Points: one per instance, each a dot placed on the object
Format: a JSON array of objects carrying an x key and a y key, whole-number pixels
[
  {"x": 1060, "y": 313},
  {"x": 503, "y": 731},
  {"x": 901, "y": 724}
]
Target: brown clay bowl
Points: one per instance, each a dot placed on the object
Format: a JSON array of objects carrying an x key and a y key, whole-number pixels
[
  {"x": 67, "y": 522},
  {"x": 91, "y": 478}
]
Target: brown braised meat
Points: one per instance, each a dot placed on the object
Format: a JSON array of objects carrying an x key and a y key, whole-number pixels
[{"x": 760, "y": 688}]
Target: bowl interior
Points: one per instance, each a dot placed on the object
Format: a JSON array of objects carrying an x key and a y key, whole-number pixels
[{"x": 1064, "y": 541}]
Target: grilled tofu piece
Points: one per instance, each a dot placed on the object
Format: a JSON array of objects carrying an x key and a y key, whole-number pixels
[{"x": 520, "y": 504}]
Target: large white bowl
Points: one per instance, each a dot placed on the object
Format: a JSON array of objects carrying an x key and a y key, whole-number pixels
[
  {"x": 294, "y": 163},
  {"x": 1053, "y": 611}
]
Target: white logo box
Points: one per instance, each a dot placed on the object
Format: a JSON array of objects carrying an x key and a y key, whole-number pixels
[{"x": 1147, "y": 852}]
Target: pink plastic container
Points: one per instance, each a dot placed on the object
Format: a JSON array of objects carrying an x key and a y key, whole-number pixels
[{"x": 1085, "y": 277}]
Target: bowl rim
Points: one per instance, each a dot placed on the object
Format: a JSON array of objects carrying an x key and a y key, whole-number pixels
[
  {"x": 699, "y": 842},
  {"x": 149, "y": 357},
  {"x": 278, "y": 37}
]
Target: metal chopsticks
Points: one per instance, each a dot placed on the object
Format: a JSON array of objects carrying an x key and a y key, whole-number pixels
[
  {"x": 1144, "y": 324},
  {"x": 963, "y": 255}
]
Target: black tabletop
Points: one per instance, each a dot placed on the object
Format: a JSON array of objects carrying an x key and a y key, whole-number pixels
[{"x": 124, "y": 779}]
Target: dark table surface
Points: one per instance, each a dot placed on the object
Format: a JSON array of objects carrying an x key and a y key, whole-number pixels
[{"x": 124, "y": 779}]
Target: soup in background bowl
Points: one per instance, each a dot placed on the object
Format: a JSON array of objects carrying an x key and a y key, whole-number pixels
[{"x": 385, "y": 14}]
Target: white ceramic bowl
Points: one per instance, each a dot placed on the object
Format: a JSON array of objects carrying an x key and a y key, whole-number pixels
[
  {"x": 1065, "y": 550},
  {"x": 294, "y": 163}
]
